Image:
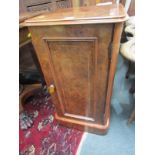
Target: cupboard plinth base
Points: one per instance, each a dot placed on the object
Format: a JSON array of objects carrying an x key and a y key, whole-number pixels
[{"x": 82, "y": 125}]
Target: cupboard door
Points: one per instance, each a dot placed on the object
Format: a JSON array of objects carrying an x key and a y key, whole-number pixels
[{"x": 74, "y": 61}]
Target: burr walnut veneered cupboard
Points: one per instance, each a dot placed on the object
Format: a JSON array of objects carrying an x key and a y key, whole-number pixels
[{"x": 77, "y": 49}]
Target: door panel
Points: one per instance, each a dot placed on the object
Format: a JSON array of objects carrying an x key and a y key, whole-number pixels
[
  {"x": 75, "y": 59},
  {"x": 74, "y": 64}
]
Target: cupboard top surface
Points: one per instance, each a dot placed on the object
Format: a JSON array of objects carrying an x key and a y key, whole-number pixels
[
  {"x": 26, "y": 15},
  {"x": 81, "y": 15}
]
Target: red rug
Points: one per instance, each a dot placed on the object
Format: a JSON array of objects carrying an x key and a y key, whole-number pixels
[{"x": 46, "y": 136}]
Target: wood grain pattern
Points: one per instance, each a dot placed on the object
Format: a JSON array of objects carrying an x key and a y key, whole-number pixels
[
  {"x": 115, "y": 50},
  {"x": 78, "y": 61},
  {"x": 88, "y": 35},
  {"x": 83, "y": 15},
  {"x": 90, "y": 2},
  {"x": 71, "y": 64},
  {"x": 26, "y": 15}
]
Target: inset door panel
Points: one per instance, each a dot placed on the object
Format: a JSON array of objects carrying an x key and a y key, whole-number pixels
[{"x": 74, "y": 63}]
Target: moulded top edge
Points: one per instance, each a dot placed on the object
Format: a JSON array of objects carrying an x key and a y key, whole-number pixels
[{"x": 85, "y": 14}]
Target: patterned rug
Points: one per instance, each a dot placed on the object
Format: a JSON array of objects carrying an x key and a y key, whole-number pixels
[{"x": 46, "y": 136}]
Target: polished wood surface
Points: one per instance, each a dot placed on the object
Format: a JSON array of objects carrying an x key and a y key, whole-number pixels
[
  {"x": 79, "y": 62},
  {"x": 114, "y": 56},
  {"x": 26, "y": 15},
  {"x": 81, "y": 15},
  {"x": 79, "y": 3}
]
